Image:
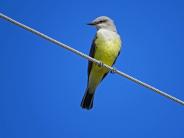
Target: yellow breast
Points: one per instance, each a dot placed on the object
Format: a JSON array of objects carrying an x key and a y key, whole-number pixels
[{"x": 108, "y": 45}]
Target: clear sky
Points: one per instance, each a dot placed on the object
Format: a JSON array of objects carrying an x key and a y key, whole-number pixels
[{"x": 41, "y": 84}]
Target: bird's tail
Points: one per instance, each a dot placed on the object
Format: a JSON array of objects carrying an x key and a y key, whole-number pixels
[{"x": 87, "y": 101}]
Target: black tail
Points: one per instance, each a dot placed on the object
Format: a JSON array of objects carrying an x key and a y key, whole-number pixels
[{"x": 87, "y": 101}]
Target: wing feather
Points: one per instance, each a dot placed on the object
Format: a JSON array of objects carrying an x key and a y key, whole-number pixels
[{"x": 91, "y": 54}]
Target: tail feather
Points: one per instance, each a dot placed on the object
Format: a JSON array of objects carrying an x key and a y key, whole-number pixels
[{"x": 87, "y": 101}]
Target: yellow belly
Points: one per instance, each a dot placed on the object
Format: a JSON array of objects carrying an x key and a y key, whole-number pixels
[{"x": 106, "y": 50}]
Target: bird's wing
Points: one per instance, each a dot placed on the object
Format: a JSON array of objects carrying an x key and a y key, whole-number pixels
[
  {"x": 116, "y": 58},
  {"x": 91, "y": 54}
]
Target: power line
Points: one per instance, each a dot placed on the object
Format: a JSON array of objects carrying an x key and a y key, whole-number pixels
[{"x": 91, "y": 59}]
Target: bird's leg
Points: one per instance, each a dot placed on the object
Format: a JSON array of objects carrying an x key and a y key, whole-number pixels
[{"x": 113, "y": 70}]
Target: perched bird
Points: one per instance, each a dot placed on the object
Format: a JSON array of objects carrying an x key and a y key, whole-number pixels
[{"x": 106, "y": 47}]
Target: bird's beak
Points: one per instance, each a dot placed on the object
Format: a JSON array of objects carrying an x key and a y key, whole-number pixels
[{"x": 92, "y": 24}]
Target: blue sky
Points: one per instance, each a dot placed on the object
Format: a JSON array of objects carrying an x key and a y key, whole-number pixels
[{"x": 41, "y": 84}]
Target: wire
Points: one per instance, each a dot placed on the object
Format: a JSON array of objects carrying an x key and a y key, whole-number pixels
[{"x": 91, "y": 59}]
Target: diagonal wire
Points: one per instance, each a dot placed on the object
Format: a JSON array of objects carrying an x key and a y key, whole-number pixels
[{"x": 91, "y": 59}]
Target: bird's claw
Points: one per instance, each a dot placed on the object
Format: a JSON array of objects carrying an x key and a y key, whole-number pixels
[
  {"x": 113, "y": 70},
  {"x": 100, "y": 64}
]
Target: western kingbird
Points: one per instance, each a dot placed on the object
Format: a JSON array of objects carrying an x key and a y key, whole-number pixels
[{"x": 106, "y": 47}]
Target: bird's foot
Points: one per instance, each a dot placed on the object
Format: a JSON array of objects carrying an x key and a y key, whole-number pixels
[
  {"x": 113, "y": 70},
  {"x": 101, "y": 64}
]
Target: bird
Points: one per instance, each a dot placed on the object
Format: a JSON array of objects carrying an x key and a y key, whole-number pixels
[{"x": 106, "y": 47}]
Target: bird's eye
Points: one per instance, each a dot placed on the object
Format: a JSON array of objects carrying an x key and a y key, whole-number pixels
[{"x": 102, "y": 21}]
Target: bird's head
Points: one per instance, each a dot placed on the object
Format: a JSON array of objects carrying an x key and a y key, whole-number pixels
[{"x": 103, "y": 22}]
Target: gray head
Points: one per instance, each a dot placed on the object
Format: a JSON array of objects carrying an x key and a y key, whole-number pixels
[{"x": 103, "y": 22}]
